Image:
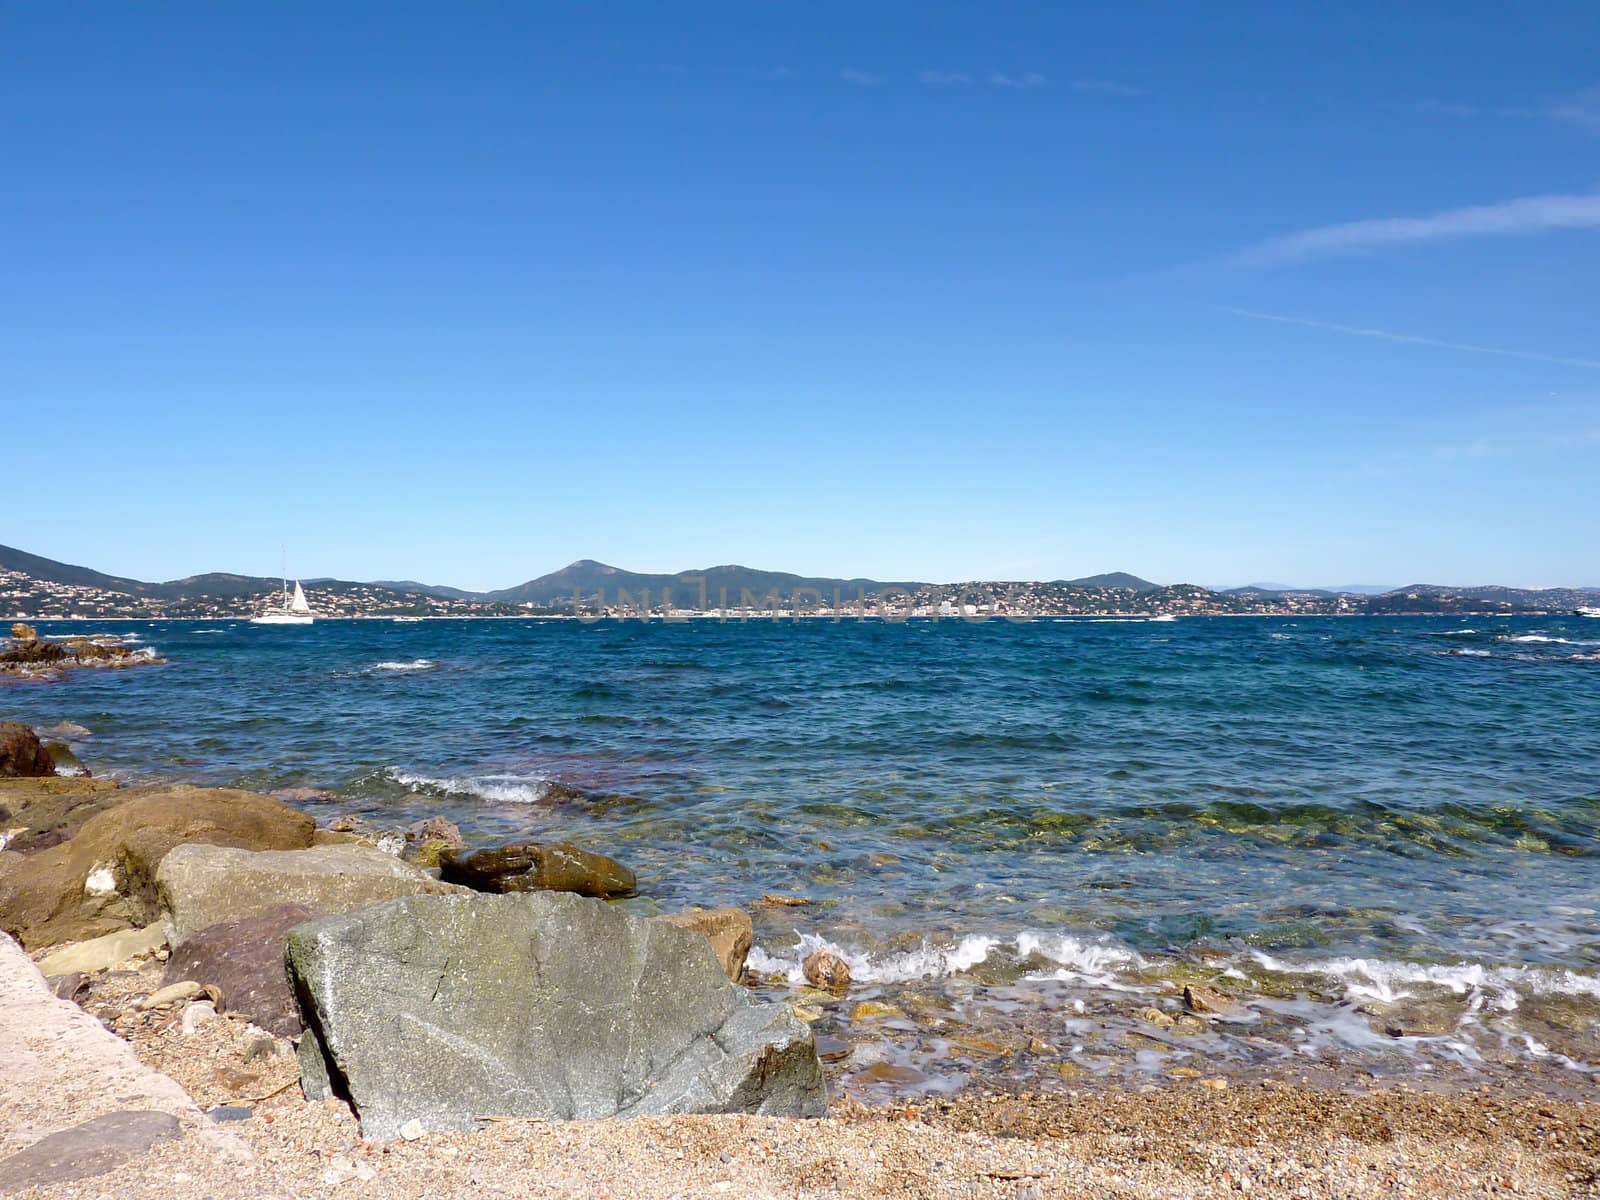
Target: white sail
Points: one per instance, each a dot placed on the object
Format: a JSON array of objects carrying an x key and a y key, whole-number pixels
[{"x": 298, "y": 604}]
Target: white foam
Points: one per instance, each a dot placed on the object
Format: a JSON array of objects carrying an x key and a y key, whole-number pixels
[
  {"x": 501, "y": 789},
  {"x": 1077, "y": 959},
  {"x": 1468, "y": 653},
  {"x": 416, "y": 664},
  {"x": 922, "y": 963},
  {"x": 1388, "y": 980}
]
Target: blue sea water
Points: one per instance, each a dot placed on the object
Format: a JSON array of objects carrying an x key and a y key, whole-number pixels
[{"x": 1369, "y": 806}]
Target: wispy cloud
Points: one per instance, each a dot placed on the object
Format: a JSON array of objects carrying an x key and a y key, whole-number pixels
[
  {"x": 1030, "y": 79},
  {"x": 943, "y": 78},
  {"x": 1442, "y": 108},
  {"x": 861, "y": 78},
  {"x": 1387, "y": 336},
  {"x": 1105, "y": 87},
  {"x": 1581, "y": 109},
  {"x": 1528, "y": 214}
]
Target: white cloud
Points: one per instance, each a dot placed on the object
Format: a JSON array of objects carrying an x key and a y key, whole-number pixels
[
  {"x": 1385, "y": 335},
  {"x": 1528, "y": 214},
  {"x": 943, "y": 77},
  {"x": 851, "y": 75},
  {"x": 1031, "y": 79}
]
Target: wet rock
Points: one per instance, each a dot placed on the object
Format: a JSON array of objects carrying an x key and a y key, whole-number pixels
[
  {"x": 539, "y": 866},
  {"x": 774, "y": 900},
  {"x": 86, "y": 1150},
  {"x": 202, "y": 886},
  {"x": 244, "y": 959},
  {"x": 64, "y": 761},
  {"x": 429, "y": 854},
  {"x": 104, "y": 952},
  {"x": 24, "y": 633},
  {"x": 435, "y": 829},
  {"x": 869, "y": 1010},
  {"x": 729, "y": 931},
  {"x": 1210, "y": 1001},
  {"x": 893, "y": 1075},
  {"x": 20, "y": 751},
  {"x": 1154, "y": 1016},
  {"x": 832, "y": 1049},
  {"x": 826, "y": 970},
  {"x": 441, "y": 1009},
  {"x": 104, "y": 877}
]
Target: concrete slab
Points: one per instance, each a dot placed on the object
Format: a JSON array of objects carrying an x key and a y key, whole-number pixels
[{"x": 74, "y": 1095}]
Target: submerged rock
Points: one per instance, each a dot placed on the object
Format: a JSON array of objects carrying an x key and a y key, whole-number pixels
[
  {"x": 539, "y": 867},
  {"x": 1210, "y": 1001},
  {"x": 446, "y": 1009},
  {"x": 729, "y": 931},
  {"x": 20, "y": 751},
  {"x": 202, "y": 886}
]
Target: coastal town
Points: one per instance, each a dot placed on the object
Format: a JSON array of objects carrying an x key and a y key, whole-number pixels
[{"x": 28, "y": 596}]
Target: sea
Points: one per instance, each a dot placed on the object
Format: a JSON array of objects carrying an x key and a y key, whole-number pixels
[{"x": 1380, "y": 837}]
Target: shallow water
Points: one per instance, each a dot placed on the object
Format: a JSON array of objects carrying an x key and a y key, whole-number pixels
[{"x": 1350, "y": 814}]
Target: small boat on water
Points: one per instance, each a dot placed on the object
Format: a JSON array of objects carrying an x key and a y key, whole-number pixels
[
  {"x": 1586, "y": 611},
  {"x": 291, "y": 609}
]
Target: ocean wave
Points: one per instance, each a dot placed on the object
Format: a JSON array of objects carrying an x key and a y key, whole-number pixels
[
  {"x": 1537, "y": 637},
  {"x": 1466, "y": 652},
  {"x": 415, "y": 664},
  {"x": 499, "y": 789},
  {"x": 1388, "y": 980},
  {"x": 1083, "y": 960}
]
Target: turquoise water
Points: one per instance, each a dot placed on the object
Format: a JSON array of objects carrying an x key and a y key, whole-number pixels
[{"x": 1078, "y": 803}]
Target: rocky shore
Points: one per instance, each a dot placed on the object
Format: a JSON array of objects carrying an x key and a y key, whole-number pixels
[
  {"x": 395, "y": 1013},
  {"x": 28, "y": 656}
]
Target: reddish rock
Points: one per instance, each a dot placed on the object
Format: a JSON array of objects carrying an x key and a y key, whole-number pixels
[
  {"x": 243, "y": 960},
  {"x": 20, "y": 752}
]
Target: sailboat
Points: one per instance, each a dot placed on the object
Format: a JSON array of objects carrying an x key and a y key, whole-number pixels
[{"x": 291, "y": 609}]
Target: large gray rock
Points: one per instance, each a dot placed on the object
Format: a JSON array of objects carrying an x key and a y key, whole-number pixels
[
  {"x": 447, "y": 1010},
  {"x": 201, "y": 886}
]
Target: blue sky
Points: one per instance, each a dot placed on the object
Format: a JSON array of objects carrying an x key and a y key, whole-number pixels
[{"x": 462, "y": 293}]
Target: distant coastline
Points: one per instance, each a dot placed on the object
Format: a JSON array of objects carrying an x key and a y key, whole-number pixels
[{"x": 36, "y": 588}]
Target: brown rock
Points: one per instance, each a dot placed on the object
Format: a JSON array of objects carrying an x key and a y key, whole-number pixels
[
  {"x": 826, "y": 970},
  {"x": 103, "y": 879},
  {"x": 1209, "y": 1001},
  {"x": 24, "y": 633},
  {"x": 539, "y": 866},
  {"x": 436, "y": 829},
  {"x": 243, "y": 959},
  {"x": 46, "y": 810},
  {"x": 728, "y": 929},
  {"x": 20, "y": 751},
  {"x": 774, "y": 900}
]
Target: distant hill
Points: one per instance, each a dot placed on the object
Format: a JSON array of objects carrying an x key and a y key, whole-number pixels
[
  {"x": 1115, "y": 579},
  {"x": 587, "y": 579},
  {"x": 51, "y": 571},
  {"x": 413, "y": 588}
]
